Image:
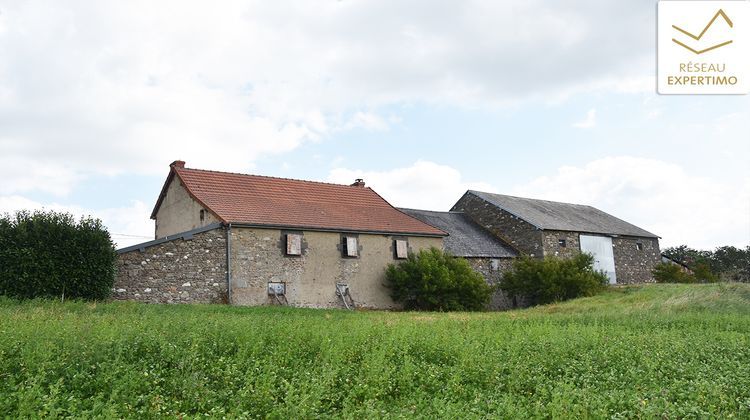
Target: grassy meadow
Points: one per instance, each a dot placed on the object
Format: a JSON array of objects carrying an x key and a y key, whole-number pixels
[{"x": 671, "y": 351}]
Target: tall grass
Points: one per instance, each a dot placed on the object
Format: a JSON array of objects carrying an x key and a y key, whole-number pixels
[{"x": 648, "y": 351}]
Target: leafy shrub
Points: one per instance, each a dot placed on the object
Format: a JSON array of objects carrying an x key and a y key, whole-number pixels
[
  {"x": 552, "y": 279},
  {"x": 48, "y": 254},
  {"x": 703, "y": 274},
  {"x": 434, "y": 280},
  {"x": 727, "y": 263},
  {"x": 672, "y": 273}
]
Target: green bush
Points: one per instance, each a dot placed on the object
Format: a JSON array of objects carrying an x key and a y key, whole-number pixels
[
  {"x": 552, "y": 279},
  {"x": 672, "y": 273},
  {"x": 434, "y": 280},
  {"x": 703, "y": 274},
  {"x": 49, "y": 254}
]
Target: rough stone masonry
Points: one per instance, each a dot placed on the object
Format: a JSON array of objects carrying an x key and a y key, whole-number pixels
[{"x": 177, "y": 271}]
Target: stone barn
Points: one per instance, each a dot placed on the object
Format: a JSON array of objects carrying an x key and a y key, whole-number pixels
[
  {"x": 254, "y": 240},
  {"x": 539, "y": 228},
  {"x": 486, "y": 253}
]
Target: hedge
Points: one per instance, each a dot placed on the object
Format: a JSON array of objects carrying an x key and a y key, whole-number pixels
[{"x": 49, "y": 254}]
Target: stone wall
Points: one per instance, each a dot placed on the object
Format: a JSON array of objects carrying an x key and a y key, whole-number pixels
[
  {"x": 493, "y": 269},
  {"x": 633, "y": 265},
  {"x": 520, "y": 234},
  {"x": 551, "y": 243},
  {"x": 177, "y": 271},
  {"x": 258, "y": 257}
]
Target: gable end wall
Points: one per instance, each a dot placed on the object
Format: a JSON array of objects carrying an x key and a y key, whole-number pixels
[
  {"x": 520, "y": 234},
  {"x": 179, "y": 212}
]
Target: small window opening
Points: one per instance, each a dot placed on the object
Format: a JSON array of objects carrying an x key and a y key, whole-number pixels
[
  {"x": 202, "y": 215},
  {"x": 293, "y": 244},
  {"x": 562, "y": 242},
  {"x": 402, "y": 249},
  {"x": 639, "y": 246},
  {"x": 350, "y": 246}
]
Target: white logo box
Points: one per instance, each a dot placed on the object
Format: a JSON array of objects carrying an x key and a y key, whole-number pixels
[{"x": 703, "y": 47}]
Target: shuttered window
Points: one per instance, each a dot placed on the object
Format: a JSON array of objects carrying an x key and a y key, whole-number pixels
[
  {"x": 351, "y": 247},
  {"x": 293, "y": 244},
  {"x": 402, "y": 249}
]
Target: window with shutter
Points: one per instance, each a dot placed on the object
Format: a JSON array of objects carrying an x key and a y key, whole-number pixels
[
  {"x": 402, "y": 249},
  {"x": 351, "y": 247},
  {"x": 293, "y": 244}
]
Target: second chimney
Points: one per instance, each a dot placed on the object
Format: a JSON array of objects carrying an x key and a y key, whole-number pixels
[{"x": 359, "y": 182}]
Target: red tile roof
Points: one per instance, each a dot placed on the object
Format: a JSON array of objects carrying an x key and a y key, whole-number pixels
[{"x": 281, "y": 202}]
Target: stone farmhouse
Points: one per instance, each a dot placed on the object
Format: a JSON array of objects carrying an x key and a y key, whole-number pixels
[{"x": 255, "y": 240}]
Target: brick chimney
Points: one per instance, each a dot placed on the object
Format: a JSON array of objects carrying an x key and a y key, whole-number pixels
[
  {"x": 178, "y": 164},
  {"x": 359, "y": 182}
]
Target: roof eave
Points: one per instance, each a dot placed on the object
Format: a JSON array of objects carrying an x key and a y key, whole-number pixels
[
  {"x": 612, "y": 234},
  {"x": 335, "y": 229},
  {"x": 187, "y": 235},
  {"x": 163, "y": 192}
]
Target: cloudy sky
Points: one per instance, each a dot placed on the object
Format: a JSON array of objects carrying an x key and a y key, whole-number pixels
[{"x": 423, "y": 99}]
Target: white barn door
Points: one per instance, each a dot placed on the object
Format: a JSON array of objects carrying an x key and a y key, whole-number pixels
[{"x": 601, "y": 248}]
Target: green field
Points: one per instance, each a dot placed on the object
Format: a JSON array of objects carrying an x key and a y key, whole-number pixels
[{"x": 650, "y": 351}]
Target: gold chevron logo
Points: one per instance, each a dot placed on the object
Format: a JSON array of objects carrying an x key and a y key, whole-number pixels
[{"x": 721, "y": 13}]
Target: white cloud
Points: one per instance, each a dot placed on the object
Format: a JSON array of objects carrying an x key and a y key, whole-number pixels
[
  {"x": 368, "y": 121},
  {"x": 423, "y": 185},
  {"x": 21, "y": 174},
  {"x": 589, "y": 121},
  {"x": 662, "y": 197},
  {"x": 127, "y": 225},
  {"x": 111, "y": 87}
]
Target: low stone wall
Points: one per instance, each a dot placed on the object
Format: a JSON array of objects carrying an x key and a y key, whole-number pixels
[
  {"x": 177, "y": 271},
  {"x": 493, "y": 269}
]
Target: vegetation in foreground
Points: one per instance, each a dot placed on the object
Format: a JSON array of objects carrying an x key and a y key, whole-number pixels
[
  {"x": 434, "y": 280},
  {"x": 670, "y": 350}
]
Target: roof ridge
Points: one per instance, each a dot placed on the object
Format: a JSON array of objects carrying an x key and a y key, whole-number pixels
[
  {"x": 268, "y": 177},
  {"x": 533, "y": 199},
  {"x": 431, "y": 211}
]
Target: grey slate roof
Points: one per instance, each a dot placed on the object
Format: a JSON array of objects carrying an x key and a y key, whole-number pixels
[
  {"x": 465, "y": 238},
  {"x": 553, "y": 215}
]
